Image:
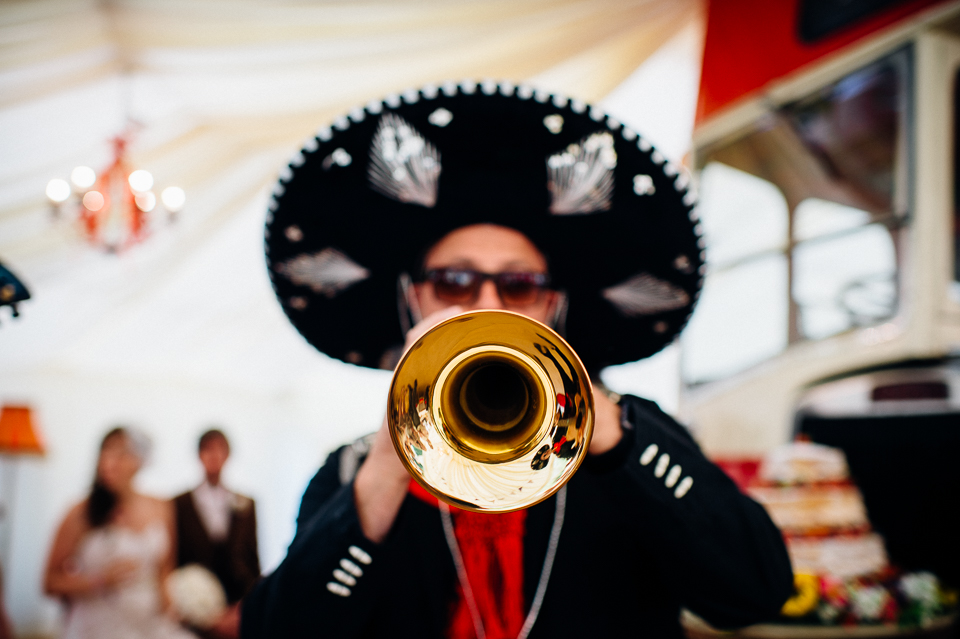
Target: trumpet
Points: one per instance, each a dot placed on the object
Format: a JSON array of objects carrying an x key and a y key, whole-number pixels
[{"x": 491, "y": 411}]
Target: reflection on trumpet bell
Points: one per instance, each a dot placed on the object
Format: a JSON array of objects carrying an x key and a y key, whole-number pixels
[
  {"x": 491, "y": 411},
  {"x": 493, "y": 403}
]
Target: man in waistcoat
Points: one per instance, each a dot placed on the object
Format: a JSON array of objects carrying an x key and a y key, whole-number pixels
[{"x": 217, "y": 528}]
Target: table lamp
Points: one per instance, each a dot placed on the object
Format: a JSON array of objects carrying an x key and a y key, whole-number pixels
[{"x": 18, "y": 437}]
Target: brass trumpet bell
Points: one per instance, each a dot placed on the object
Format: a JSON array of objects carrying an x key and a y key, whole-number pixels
[{"x": 491, "y": 411}]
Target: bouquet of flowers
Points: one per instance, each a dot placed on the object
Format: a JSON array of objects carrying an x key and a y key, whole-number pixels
[{"x": 196, "y": 594}]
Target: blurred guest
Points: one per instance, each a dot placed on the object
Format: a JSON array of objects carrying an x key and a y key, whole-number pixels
[
  {"x": 217, "y": 528},
  {"x": 113, "y": 551}
]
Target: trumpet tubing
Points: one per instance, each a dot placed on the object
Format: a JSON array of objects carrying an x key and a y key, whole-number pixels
[{"x": 491, "y": 411}]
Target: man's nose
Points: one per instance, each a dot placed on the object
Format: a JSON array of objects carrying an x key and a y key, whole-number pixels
[{"x": 488, "y": 298}]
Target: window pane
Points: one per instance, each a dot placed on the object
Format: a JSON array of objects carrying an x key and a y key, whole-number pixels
[
  {"x": 853, "y": 130},
  {"x": 741, "y": 215},
  {"x": 815, "y": 217},
  {"x": 845, "y": 281},
  {"x": 740, "y": 320}
]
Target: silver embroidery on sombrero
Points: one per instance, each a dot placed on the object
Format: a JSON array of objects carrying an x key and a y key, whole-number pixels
[
  {"x": 403, "y": 165},
  {"x": 580, "y": 178},
  {"x": 326, "y": 272},
  {"x": 645, "y": 294},
  {"x": 441, "y": 117}
]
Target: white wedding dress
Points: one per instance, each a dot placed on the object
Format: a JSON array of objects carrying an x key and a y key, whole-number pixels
[{"x": 132, "y": 610}]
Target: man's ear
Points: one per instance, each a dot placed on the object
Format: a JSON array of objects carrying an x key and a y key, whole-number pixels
[
  {"x": 416, "y": 292},
  {"x": 557, "y": 311},
  {"x": 408, "y": 300},
  {"x": 552, "y": 298}
]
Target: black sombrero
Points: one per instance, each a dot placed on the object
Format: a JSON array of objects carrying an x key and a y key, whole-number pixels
[{"x": 361, "y": 203}]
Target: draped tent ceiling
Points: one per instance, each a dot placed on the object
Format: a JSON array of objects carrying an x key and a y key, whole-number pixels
[{"x": 222, "y": 93}]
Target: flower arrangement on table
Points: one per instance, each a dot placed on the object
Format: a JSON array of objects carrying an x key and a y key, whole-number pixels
[{"x": 912, "y": 599}]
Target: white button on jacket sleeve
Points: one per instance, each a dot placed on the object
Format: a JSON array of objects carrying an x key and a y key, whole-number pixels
[
  {"x": 344, "y": 578},
  {"x": 360, "y": 555},
  {"x": 673, "y": 476},
  {"x": 351, "y": 567},
  {"x": 338, "y": 589},
  {"x": 684, "y": 487},
  {"x": 662, "y": 464},
  {"x": 649, "y": 454}
]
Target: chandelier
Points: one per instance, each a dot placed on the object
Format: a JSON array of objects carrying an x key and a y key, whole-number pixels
[{"x": 117, "y": 207}]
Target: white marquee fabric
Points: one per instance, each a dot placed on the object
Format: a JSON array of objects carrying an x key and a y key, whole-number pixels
[{"x": 182, "y": 331}]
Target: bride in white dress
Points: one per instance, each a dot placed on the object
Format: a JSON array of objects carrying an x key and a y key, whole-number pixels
[{"x": 113, "y": 551}]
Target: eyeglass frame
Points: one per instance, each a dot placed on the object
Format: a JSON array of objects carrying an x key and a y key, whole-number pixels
[{"x": 541, "y": 283}]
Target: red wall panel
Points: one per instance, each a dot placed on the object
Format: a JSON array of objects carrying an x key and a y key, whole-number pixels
[{"x": 751, "y": 42}]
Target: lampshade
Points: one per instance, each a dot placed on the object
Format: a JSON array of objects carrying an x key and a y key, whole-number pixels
[{"x": 17, "y": 433}]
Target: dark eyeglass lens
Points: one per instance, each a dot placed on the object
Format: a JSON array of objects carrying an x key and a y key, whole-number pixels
[
  {"x": 456, "y": 286},
  {"x": 518, "y": 289}
]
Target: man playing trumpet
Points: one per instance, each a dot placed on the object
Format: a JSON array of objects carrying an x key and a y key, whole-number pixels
[{"x": 463, "y": 198}]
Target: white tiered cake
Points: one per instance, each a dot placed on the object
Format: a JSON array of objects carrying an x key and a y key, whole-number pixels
[{"x": 807, "y": 490}]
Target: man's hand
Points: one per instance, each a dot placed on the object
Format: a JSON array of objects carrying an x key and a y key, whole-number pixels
[
  {"x": 227, "y": 625},
  {"x": 382, "y": 481},
  {"x": 428, "y": 322},
  {"x": 606, "y": 424}
]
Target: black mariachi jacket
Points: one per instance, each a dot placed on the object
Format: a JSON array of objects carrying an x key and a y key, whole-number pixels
[{"x": 639, "y": 541}]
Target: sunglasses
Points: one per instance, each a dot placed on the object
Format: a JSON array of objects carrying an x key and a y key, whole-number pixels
[{"x": 462, "y": 285}]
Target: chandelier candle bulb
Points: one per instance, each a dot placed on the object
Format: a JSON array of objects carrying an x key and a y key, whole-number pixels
[
  {"x": 58, "y": 190},
  {"x": 146, "y": 201},
  {"x": 83, "y": 177},
  {"x": 93, "y": 200},
  {"x": 140, "y": 181},
  {"x": 173, "y": 198}
]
